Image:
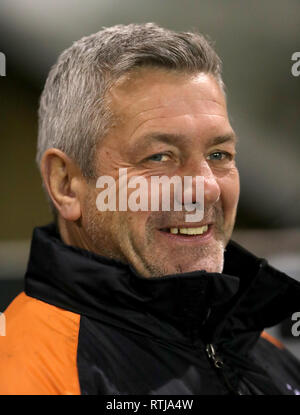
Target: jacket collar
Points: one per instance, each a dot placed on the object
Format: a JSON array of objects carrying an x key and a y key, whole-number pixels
[{"x": 193, "y": 307}]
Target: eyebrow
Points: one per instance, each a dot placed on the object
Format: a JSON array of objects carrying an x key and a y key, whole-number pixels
[
  {"x": 176, "y": 139},
  {"x": 224, "y": 139}
]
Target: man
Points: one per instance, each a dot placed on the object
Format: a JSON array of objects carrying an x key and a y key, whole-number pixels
[{"x": 143, "y": 301}]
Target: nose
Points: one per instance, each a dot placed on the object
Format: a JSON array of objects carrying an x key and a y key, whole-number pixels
[
  {"x": 212, "y": 191},
  {"x": 202, "y": 173}
]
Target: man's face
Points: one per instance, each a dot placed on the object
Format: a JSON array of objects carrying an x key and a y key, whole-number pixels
[{"x": 168, "y": 124}]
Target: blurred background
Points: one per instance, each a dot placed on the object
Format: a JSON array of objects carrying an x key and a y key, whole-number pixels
[{"x": 255, "y": 41}]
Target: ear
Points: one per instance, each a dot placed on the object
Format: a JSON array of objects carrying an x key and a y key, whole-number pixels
[{"x": 64, "y": 183}]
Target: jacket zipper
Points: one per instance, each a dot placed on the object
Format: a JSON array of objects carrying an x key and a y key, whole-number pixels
[{"x": 219, "y": 364}]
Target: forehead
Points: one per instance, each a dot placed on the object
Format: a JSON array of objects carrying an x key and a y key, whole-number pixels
[
  {"x": 151, "y": 98},
  {"x": 150, "y": 88}
]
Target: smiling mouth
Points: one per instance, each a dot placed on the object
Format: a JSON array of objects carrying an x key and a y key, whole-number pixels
[{"x": 196, "y": 231}]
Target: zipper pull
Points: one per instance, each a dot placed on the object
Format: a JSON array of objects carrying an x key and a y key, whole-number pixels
[
  {"x": 218, "y": 363},
  {"x": 211, "y": 353}
]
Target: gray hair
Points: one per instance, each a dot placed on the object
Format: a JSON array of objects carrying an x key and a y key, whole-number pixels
[{"x": 74, "y": 112}]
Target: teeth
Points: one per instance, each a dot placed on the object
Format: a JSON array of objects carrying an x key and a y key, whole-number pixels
[{"x": 190, "y": 231}]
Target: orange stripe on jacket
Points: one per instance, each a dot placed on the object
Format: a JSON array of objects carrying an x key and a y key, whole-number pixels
[
  {"x": 38, "y": 355},
  {"x": 272, "y": 340}
]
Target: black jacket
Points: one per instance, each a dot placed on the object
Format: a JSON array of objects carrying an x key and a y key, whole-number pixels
[{"x": 195, "y": 333}]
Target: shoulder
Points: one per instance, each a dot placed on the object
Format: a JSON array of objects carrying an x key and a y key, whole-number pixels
[
  {"x": 39, "y": 350},
  {"x": 281, "y": 365}
]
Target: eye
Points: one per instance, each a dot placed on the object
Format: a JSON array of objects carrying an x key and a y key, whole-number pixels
[
  {"x": 220, "y": 156},
  {"x": 160, "y": 157}
]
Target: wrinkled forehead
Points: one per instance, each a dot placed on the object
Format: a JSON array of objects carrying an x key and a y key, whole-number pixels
[{"x": 146, "y": 90}]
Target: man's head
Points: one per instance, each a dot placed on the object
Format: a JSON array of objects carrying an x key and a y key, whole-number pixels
[{"x": 149, "y": 100}]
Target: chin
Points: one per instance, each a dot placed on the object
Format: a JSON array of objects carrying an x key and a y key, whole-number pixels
[
  {"x": 215, "y": 267},
  {"x": 205, "y": 267},
  {"x": 209, "y": 259}
]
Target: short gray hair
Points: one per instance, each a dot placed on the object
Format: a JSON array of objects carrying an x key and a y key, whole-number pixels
[{"x": 74, "y": 113}]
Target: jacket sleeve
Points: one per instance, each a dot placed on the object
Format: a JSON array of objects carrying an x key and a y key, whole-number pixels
[
  {"x": 281, "y": 365},
  {"x": 38, "y": 354}
]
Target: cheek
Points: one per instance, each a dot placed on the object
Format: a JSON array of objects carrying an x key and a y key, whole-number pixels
[
  {"x": 136, "y": 223},
  {"x": 230, "y": 190}
]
